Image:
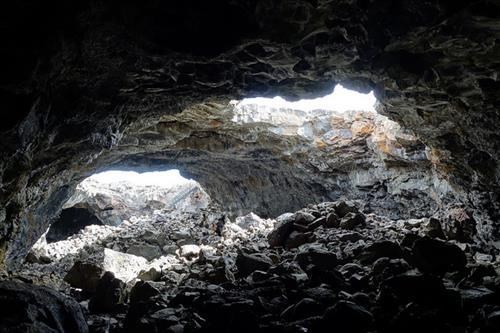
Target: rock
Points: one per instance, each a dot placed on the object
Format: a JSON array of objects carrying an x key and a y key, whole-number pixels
[
  {"x": 84, "y": 275},
  {"x": 151, "y": 274},
  {"x": 250, "y": 221},
  {"x": 281, "y": 231},
  {"x": 316, "y": 258},
  {"x": 147, "y": 251},
  {"x": 473, "y": 298},
  {"x": 352, "y": 220},
  {"x": 142, "y": 291},
  {"x": 110, "y": 293},
  {"x": 348, "y": 317},
  {"x": 380, "y": 249},
  {"x": 304, "y": 218},
  {"x": 332, "y": 220},
  {"x": 295, "y": 239},
  {"x": 305, "y": 308},
  {"x": 28, "y": 308},
  {"x": 320, "y": 221},
  {"x": 189, "y": 251},
  {"x": 170, "y": 249},
  {"x": 342, "y": 208},
  {"x": 180, "y": 235},
  {"x": 433, "y": 229},
  {"x": 248, "y": 263},
  {"x": 124, "y": 266},
  {"x": 437, "y": 257},
  {"x": 459, "y": 224}
]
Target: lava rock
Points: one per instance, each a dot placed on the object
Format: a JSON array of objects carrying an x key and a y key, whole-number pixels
[
  {"x": 380, "y": 249},
  {"x": 332, "y": 220},
  {"x": 348, "y": 317},
  {"x": 110, "y": 293},
  {"x": 304, "y": 218},
  {"x": 352, "y": 220},
  {"x": 295, "y": 239},
  {"x": 281, "y": 231},
  {"x": 84, "y": 275},
  {"x": 189, "y": 251},
  {"x": 28, "y": 308},
  {"x": 248, "y": 263},
  {"x": 437, "y": 257},
  {"x": 342, "y": 208},
  {"x": 313, "y": 257},
  {"x": 147, "y": 251},
  {"x": 142, "y": 291}
]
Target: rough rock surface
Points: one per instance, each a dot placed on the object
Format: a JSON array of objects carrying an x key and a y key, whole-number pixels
[
  {"x": 384, "y": 275},
  {"x": 88, "y": 85},
  {"x": 28, "y": 308}
]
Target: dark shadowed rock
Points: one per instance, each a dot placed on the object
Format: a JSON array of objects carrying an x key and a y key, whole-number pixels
[
  {"x": 282, "y": 230},
  {"x": 380, "y": 249},
  {"x": 296, "y": 238},
  {"x": 142, "y": 291},
  {"x": 348, "y": 317},
  {"x": 437, "y": 257},
  {"x": 110, "y": 293},
  {"x": 313, "y": 257},
  {"x": 84, "y": 275},
  {"x": 248, "y": 263},
  {"x": 28, "y": 308},
  {"x": 352, "y": 220}
]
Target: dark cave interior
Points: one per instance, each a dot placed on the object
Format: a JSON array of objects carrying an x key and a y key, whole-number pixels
[{"x": 285, "y": 220}]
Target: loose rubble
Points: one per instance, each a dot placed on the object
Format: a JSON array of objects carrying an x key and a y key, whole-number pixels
[{"x": 326, "y": 267}]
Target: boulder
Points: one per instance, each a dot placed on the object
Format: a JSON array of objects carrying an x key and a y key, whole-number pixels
[
  {"x": 304, "y": 218},
  {"x": 348, "y": 317},
  {"x": 147, "y": 251},
  {"x": 142, "y": 291},
  {"x": 281, "y": 231},
  {"x": 84, "y": 275},
  {"x": 189, "y": 251},
  {"x": 342, "y": 208},
  {"x": 296, "y": 238},
  {"x": 316, "y": 258},
  {"x": 110, "y": 293},
  {"x": 332, "y": 220},
  {"x": 437, "y": 257},
  {"x": 34, "y": 309},
  {"x": 380, "y": 249},
  {"x": 124, "y": 266},
  {"x": 352, "y": 220},
  {"x": 248, "y": 263}
]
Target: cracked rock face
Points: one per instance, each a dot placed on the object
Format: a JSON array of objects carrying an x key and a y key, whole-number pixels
[{"x": 90, "y": 85}]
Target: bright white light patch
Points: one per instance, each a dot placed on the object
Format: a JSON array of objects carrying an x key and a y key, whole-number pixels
[
  {"x": 340, "y": 100},
  {"x": 158, "y": 178}
]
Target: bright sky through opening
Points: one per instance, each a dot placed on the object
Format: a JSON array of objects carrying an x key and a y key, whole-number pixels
[
  {"x": 157, "y": 178},
  {"x": 340, "y": 100}
]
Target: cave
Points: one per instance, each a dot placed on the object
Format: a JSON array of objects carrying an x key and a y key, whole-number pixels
[{"x": 291, "y": 216}]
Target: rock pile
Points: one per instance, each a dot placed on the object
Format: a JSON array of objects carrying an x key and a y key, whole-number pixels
[{"x": 325, "y": 266}]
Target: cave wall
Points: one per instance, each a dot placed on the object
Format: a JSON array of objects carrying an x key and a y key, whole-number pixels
[{"x": 77, "y": 77}]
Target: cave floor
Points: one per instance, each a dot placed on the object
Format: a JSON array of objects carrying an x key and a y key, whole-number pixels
[{"x": 327, "y": 266}]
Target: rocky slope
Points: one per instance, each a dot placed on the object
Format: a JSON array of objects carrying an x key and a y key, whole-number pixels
[{"x": 327, "y": 265}]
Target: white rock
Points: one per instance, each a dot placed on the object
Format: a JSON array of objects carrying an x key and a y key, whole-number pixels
[
  {"x": 189, "y": 251},
  {"x": 126, "y": 267}
]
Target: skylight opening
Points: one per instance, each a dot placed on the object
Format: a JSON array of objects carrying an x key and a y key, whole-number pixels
[
  {"x": 166, "y": 178},
  {"x": 340, "y": 100}
]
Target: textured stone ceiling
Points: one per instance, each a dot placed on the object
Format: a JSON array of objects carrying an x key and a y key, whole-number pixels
[{"x": 79, "y": 78}]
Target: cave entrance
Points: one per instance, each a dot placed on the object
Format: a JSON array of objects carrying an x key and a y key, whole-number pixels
[{"x": 112, "y": 201}]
